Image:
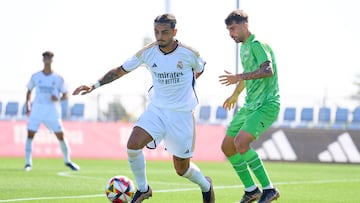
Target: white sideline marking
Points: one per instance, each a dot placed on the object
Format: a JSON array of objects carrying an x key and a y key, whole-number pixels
[
  {"x": 72, "y": 175},
  {"x": 49, "y": 198},
  {"x": 170, "y": 190}
]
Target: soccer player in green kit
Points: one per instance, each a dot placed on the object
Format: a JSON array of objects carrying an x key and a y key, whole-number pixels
[{"x": 260, "y": 110}]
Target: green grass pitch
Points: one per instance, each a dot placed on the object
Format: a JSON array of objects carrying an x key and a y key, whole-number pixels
[{"x": 51, "y": 181}]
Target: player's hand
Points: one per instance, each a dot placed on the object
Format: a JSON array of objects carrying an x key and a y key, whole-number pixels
[
  {"x": 83, "y": 89},
  {"x": 228, "y": 79},
  {"x": 230, "y": 103},
  {"x": 54, "y": 98}
]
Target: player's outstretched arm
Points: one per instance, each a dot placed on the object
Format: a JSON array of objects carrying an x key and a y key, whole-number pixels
[
  {"x": 110, "y": 76},
  {"x": 83, "y": 89},
  {"x": 228, "y": 79},
  {"x": 265, "y": 70}
]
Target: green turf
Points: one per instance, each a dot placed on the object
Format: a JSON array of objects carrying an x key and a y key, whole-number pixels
[{"x": 51, "y": 181}]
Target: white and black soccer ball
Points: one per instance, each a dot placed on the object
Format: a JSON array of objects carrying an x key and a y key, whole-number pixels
[{"x": 120, "y": 189}]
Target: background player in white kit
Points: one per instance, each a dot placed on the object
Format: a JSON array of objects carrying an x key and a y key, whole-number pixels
[
  {"x": 46, "y": 109},
  {"x": 169, "y": 116}
]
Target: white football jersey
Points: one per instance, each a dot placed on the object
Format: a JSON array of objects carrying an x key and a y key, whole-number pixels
[
  {"x": 45, "y": 86},
  {"x": 173, "y": 79}
]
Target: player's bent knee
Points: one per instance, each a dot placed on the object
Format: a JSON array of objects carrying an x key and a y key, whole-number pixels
[
  {"x": 242, "y": 149},
  {"x": 133, "y": 152},
  {"x": 180, "y": 172},
  {"x": 228, "y": 149}
]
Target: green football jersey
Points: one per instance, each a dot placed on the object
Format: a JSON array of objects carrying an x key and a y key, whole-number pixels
[{"x": 253, "y": 53}]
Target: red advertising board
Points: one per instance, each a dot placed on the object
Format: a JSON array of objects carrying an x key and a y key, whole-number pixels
[{"x": 100, "y": 140}]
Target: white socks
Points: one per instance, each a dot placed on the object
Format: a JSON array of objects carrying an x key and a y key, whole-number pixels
[
  {"x": 137, "y": 164},
  {"x": 28, "y": 150},
  {"x": 194, "y": 175},
  {"x": 65, "y": 150},
  {"x": 250, "y": 189}
]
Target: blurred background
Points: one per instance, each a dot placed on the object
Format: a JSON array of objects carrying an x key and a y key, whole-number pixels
[{"x": 315, "y": 43}]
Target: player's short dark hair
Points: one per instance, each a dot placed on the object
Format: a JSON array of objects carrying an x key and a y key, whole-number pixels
[
  {"x": 166, "y": 18},
  {"x": 237, "y": 16},
  {"x": 48, "y": 53}
]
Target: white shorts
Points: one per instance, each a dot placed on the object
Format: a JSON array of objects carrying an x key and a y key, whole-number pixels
[
  {"x": 54, "y": 124},
  {"x": 175, "y": 128}
]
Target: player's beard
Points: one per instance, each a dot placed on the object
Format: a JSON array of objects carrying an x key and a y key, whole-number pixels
[
  {"x": 162, "y": 44},
  {"x": 237, "y": 39},
  {"x": 165, "y": 44}
]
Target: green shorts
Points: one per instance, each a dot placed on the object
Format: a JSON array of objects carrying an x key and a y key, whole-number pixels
[{"x": 254, "y": 121}]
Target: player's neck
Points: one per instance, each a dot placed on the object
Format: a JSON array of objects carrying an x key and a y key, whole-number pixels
[
  {"x": 47, "y": 70},
  {"x": 169, "y": 48},
  {"x": 248, "y": 34}
]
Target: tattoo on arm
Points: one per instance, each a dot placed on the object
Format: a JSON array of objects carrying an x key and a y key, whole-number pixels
[
  {"x": 112, "y": 75},
  {"x": 264, "y": 71},
  {"x": 266, "y": 68}
]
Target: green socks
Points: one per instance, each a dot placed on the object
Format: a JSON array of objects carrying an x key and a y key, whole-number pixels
[
  {"x": 241, "y": 169},
  {"x": 250, "y": 159},
  {"x": 254, "y": 162}
]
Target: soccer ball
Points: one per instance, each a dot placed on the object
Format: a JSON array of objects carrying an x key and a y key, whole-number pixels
[{"x": 120, "y": 189}]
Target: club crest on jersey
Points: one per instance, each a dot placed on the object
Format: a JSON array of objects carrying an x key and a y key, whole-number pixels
[
  {"x": 246, "y": 54},
  {"x": 180, "y": 65}
]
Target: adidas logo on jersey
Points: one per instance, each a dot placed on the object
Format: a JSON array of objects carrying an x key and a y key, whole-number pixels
[{"x": 154, "y": 65}]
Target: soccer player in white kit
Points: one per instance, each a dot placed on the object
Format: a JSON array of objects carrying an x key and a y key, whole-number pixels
[
  {"x": 174, "y": 68},
  {"x": 46, "y": 109}
]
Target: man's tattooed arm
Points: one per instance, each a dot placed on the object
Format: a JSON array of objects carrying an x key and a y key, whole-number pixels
[
  {"x": 264, "y": 71},
  {"x": 112, "y": 75}
]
